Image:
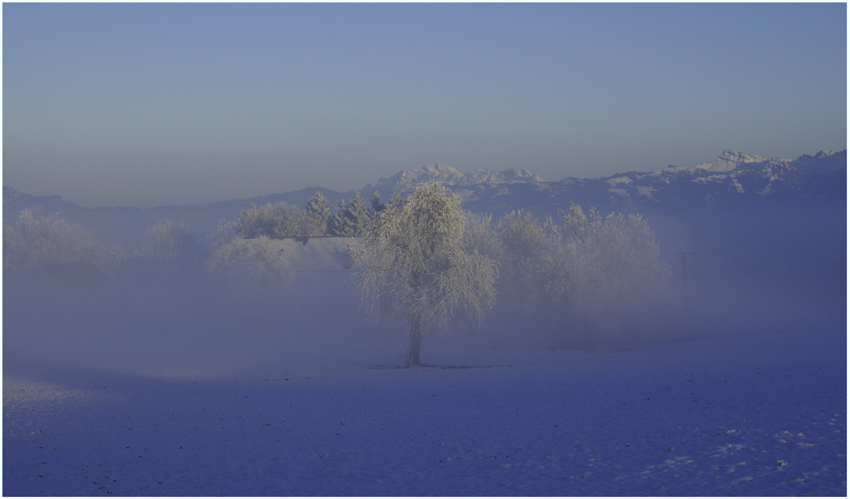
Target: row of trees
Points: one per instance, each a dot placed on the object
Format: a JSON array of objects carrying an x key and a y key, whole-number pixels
[
  {"x": 589, "y": 281},
  {"x": 585, "y": 280},
  {"x": 247, "y": 256},
  {"x": 281, "y": 220},
  {"x": 580, "y": 280},
  {"x": 52, "y": 243},
  {"x": 243, "y": 249},
  {"x": 48, "y": 242}
]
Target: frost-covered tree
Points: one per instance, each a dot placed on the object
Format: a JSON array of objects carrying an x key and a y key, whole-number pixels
[
  {"x": 223, "y": 233},
  {"x": 589, "y": 282},
  {"x": 618, "y": 249},
  {"x": 395, "y": 199},
  {"x": 480, "y": 235},
  {"x": 338, "y": 225},
  {"x": 376, "y": 202},
  {"x": 525, "y": 245},
  {"x": 255, "y": 222},
  {"x": 249, "y": 265},
  {"x": 318, "y": 208},
  {"x": 296, "y": 223},
  {"x": 351, "y": 218},
  {"x": 173, "y": 247},
  {"x": 36, "y": 243},
  {"x": 358, "y": 211},
  {"x": 608, "y": 274},
  {"x": 522, "y": 238},
  {"x": 276, "y": 221},
  {"x": 417, "y": 267}
]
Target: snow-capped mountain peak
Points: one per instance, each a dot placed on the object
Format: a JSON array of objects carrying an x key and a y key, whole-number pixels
[
  {"x": 439, "y": 170},
  {"x": 728, "y": 161},
  {"x": 824, "y": 162},
  {"x": 452, "y": 177},
  {"x": 522, "y": 174},
  {"x": 731, "y": 175}
]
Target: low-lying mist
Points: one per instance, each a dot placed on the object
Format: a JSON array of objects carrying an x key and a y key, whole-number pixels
[{"x": 769, "y": 273}]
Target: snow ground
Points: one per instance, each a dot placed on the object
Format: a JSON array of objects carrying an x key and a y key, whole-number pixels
[{"x": 752, "y": 415}]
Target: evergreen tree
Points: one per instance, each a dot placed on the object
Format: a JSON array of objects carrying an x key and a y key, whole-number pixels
[
  {"x": 339, "y": 225},
  {"x": 318, "y": 208},
  {"x": 395, "y": 200},
  {"x": 376, "y": 203},
  {"x": 351, "y": 218},
  {"x": 358, "y": 213}
]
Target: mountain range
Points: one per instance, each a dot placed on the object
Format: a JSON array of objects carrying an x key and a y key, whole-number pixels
[
  {"x": 732, "y": 177},
  {"x": 732, "y": 180}
]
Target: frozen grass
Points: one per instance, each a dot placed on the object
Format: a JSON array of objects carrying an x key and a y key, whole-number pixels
[{"x": 755, "y": 415}]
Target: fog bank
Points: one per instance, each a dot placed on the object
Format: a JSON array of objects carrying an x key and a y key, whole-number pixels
[{"x": 747, "y": 272}]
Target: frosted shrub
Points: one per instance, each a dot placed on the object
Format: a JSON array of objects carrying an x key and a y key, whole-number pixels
[
  {"x": 416, "y": 266},
  {"x": 249, "y": 265}
]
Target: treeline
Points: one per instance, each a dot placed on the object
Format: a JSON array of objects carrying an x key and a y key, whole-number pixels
[
  {"x": 579, "y": 280},
  {"x": 172, "y": 249},
  {"x": 279, "y": 221}
]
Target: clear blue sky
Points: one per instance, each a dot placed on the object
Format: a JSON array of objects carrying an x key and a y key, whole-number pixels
[{"x": 150, "y": 104}]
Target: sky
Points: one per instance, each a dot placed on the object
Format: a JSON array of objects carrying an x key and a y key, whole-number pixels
[{"x": 155, "y": 104}]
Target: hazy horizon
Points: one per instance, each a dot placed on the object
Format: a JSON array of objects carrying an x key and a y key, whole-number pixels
[
  {"x": 359, "y": 188},
  {"x": 157, "y": 104}
]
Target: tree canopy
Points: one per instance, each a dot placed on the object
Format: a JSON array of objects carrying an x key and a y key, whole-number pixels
[{"x": 417, "y": 267}]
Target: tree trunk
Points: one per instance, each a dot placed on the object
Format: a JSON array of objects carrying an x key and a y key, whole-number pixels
[{"x": 415, "y": 337}]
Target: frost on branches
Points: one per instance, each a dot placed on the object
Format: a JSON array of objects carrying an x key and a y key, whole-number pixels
[
  {"x": 173, "y": 248},
  {"x": 592, "y": 282},
  {"x": 51, "y": 243},
  {"x": 609, "y": 277},
  {"x": 249, "y": 267},
  {"x": 417, "y": 267}
]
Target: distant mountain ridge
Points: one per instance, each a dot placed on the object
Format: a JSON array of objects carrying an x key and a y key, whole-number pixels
[
  {"x": 733, "y": 176},
  {"x": 404, "y": 181},
  {"x": 726, "y": 162}
]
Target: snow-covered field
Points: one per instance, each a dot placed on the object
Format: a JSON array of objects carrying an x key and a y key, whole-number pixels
[{"x": 745, "y": 415}]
